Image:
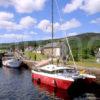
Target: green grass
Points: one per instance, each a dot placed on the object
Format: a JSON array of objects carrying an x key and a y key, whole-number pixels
[
  {"x": 87, "y": 63},
  {"x": 33, "y": 55}
]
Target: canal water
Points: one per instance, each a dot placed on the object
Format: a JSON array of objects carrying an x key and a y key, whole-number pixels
[{"x": 16, "y": 84}]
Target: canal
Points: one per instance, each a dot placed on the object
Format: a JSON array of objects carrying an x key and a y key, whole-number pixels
[{"x": 16, "y": 84}]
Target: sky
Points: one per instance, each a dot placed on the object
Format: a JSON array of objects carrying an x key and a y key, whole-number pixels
[{"x": 27, "y": 20}]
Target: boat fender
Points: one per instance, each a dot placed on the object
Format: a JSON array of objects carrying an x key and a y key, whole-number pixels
[{"x": 38, "y": 81}]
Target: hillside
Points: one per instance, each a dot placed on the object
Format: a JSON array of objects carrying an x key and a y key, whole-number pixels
[{"x": 83, "y": 39}]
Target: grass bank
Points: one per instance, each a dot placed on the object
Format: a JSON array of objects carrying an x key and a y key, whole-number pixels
[
  {"x": 87, "y": 63},
  {"x": 35, "y": 56}
]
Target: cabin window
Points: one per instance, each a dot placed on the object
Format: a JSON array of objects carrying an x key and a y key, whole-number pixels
[{"x": 49, "y": 72}]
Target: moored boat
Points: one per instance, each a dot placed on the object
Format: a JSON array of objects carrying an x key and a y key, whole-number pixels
[
  {"x": 53, "y": 76},
  {"x": 11, "y": 61},
  {"x": 60, "y": 77}
]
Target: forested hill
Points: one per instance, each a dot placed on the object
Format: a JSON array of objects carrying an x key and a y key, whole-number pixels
[
  {"x": 89, "y": 40},
  {"x": 83, "y": 39}
]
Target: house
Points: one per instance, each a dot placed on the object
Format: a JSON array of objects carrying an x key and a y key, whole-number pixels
[
  {"x": 58, "y": 48},
  {"x": 29, "y": 48},
  {"x": 39, "y": 50},
  {"x": 98, "y": 56}
]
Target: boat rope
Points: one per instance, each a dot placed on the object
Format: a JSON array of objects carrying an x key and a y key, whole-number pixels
[{"x": 61, "y": 21}]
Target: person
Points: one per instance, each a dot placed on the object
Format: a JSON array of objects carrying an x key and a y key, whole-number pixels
[
  {"x": 57, "y": 61},
  {"x": 64, "y": 60},
  {"x": 35, "y": 57}
]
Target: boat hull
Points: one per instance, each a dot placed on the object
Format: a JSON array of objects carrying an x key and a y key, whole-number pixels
[
  {"x": 11, "y": 64},
  {"x": 54, "y": 82},
  {"x": 89, "y": 79}
]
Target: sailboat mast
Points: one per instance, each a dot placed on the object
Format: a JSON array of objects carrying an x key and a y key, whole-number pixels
[{"x": 52, "y": 18}]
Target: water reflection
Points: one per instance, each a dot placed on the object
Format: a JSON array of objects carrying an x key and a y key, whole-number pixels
[
  {"x": 16, "y": 84},
  {"x": 11, "y": 71},
  {"x": 85, "y": 92},
  {"x": 51, "y": 91}
]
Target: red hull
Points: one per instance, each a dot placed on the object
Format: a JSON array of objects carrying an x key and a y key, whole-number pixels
[{"x": 54, "y": 82}]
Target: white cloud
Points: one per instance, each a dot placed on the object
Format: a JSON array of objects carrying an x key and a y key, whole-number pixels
[
  {"x": 14, "y": 37},
  {"x": 7, "y": 22},
  {"x": 72, "y": 34},
  {"x": 73, "y": 23},
  {"x": 89, "y": 6},
  {"x": 6, "y": 16},
  {"x": 24, "y": 6},
  {"x": 74, "y": 5},
  {"x": 96, "y": 21},
  {"x": 9, "y": 25},
  {"x": 45, "y": 25},
  {"x": 5, "y": 2},
  {"x": 33, "y": 33},
  {"x": 27, "y": 21}
]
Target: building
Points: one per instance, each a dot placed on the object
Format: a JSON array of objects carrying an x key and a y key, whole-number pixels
[
  {"x": 57, "y": 49},
  {"x": 98, "y": 56},
  {"x": 39, "y": 50},
  {"x": 29, "y": 48}
]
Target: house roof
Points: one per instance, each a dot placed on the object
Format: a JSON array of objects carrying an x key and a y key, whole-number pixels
[
  {"x": 39, "y": 49},
  {"x": 55, "y": 45}
]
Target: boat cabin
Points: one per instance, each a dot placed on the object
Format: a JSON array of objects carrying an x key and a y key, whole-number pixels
[{"x": 53, "y": 69}]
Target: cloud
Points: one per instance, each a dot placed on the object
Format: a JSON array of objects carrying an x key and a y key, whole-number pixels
[
  {"x": 45, "y": 25},
  {"x": 24, "y": 6},
  {"x": 96, "y": 21},
  {"x": 73, "y": 23},
  {"x": 72, "y": 34},
  {"x": 27, "y": 21},
  {"x": 8, "y": 25},
  {"x": 7, "y": 22},
  {"x": 33, "y": 33},
  {"x": 14, "y": 37},
  {"x": 6, "y": 16},
  {"x": 91, "y": 6},
  {"x": 74, "y": 5},
  {"x": 88, "y": 6}
]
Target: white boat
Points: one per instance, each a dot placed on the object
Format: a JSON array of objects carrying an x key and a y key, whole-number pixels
[{"x": 11, "y": 62}]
